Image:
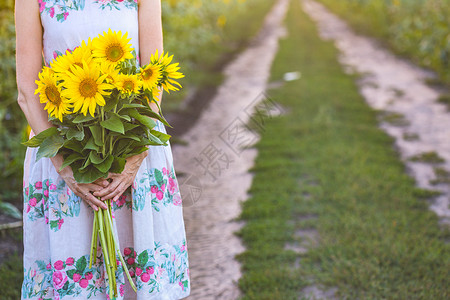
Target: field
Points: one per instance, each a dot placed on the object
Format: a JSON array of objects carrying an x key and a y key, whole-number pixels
[{"x": 419, "y": 29}]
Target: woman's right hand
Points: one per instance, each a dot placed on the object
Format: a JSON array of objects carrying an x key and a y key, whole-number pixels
[{"x": 82, "y": 190}]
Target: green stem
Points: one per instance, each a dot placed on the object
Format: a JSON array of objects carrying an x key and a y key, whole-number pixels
[
  {"x": 103, "y": 131},
  {"x": 124, "y": 266},
  {"x": 93, "y": 241},
  {"x": 105, "y": 252}
]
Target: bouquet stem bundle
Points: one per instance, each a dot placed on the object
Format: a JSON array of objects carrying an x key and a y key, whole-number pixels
[{"x": 103, "y": 227}]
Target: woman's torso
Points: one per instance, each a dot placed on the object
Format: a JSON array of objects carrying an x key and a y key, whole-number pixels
[{"x": 66, "y": 23}]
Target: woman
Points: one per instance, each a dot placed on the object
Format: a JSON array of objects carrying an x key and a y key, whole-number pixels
[{"x": 58, "y": 211}]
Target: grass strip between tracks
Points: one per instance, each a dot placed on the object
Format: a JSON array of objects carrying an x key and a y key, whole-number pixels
[{"x": 325, "y": 165}]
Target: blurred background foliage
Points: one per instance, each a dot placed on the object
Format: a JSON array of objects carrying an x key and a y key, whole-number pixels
[
  {"x": 419, "y": 29},
  {"x": 200, "y": 33}
]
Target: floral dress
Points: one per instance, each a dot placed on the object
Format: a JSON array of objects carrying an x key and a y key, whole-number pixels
[{"x": 58, "y": 224}]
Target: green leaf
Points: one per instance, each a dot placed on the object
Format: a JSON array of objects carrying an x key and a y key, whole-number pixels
[
  {"x": 133, "y": 105},
  {"x": 83, "y": 119},
  {"x": 150, "y": 113},
  {"x": 114, "y": 124},
  {"x": 129, "y": 126},
  {"x": 37, "y": 140},
  {"x": 73, "y": 145},
  {"x": 142, "y": 258},
  {"x": 136, "y": 151},
  {"x": 95, "y": 158},
  {"x": 70, "y": 273},
  {"x": 124, "y": 117},
  {"x": 144, "y": 120},
  {"x": 160, "y": 114},
  {"x": 155, "y": 140},
  {"x": 96, "y": 131},
  {"x": 73, "y": 133},
  {"x": 159, "y": 176},
  {"x": 91, "y": 145},
  {"x": 81, "y": 264},
  {"x": 89, "y": 176},
  {"x": 106, "y": 164},
  {"x": 161, "y": 135},
  {"x": 118, "y": 165},
  {"x": 10, "y": 210},
  {"x": 50, "y": 147},
  {"x": 71, "y": 159}
]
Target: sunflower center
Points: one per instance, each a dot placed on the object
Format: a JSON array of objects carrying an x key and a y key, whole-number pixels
[
  {"x": 88, "y": 88},
  {"x": 128, "y": 85},
  {"x": 53, "y": 95},
  {"x": 78, "y": 64},
  {"x": 114, "y": 52},
  {"x": 147, "y": 74}
]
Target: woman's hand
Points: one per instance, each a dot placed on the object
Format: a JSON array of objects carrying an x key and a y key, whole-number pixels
[
  {"x": 82, "y": 190},
  {"x": 120, "y": 182}
]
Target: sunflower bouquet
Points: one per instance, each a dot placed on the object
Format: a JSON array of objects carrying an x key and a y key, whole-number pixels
[{"x": 99, "y": 100}]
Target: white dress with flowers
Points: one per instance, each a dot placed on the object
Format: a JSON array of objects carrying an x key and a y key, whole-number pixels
[{"x": 58, "y": 224}]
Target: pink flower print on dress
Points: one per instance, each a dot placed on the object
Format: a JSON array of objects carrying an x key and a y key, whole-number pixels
[
  {"x": 130, "y": 261},
  {"x": 70, "y": 261},
  {"x": 41, "y": 5},
  {"x": 145, "y": 277},
  {"x": 121, "y": 290},
  {"x": 49, "y": 266},
  {"x": 154, "y": 189},
  {"x": 52, "y": 12},
  {"x": 88, "y": 276},
  {"x": 173, "y": 187},
  {"x": 32, "y": 202},
  {"x": 66, "y": 14},
  {"x": 52, "y": 187},
  {"x": 59, "y": 265},
  {"x": 84, "y": 283},
  {"x": 159, "y": 195},
  {"x": 60, "y": 222},
  {"x": 59, "y": 279},
  {"x": 150, "y": 270},
  {"x": 38, "y": 185},
  {"x": 163, "y": 187},
  {"x": 164, "y": 171},
  {"x": 127, "y": 251},
  {"x": 76, "y": 277},
  {"x": 138, "y": 271},
  {"x": 27, "y": 191},
  {"x": 46, "y": 193},
  {"x": 177, "y": 201},
  {"x": 28, "y": 208},
  {"x": 47, "y": 183}
]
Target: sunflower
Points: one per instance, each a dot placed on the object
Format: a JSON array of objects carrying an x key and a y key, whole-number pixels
[
  {"x": 128, "y": 84},
  {"x": 50, "y": 93},
  {"x": 63, "y": 63},
  {"x": 86, "y": 88},
  {"x": 112, "y": 47},
  {"x": 150, "y": 76},
  {"x": 169, "y": 71},
  {"x": 110, "y": 70}
]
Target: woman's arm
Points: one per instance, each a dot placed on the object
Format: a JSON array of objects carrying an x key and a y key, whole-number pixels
[
  {"x": 150, "y": 40},
  {"x": 150, "y": 34},
  {"x": 29, "y": 36}
]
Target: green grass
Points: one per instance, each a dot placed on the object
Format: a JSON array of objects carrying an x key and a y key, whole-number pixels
[
  {"x": 327, "y": 157},
  {"x": 11, "y": 276}
]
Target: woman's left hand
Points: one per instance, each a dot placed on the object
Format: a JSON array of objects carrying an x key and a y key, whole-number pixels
[{"x": 120, "y": 182}]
